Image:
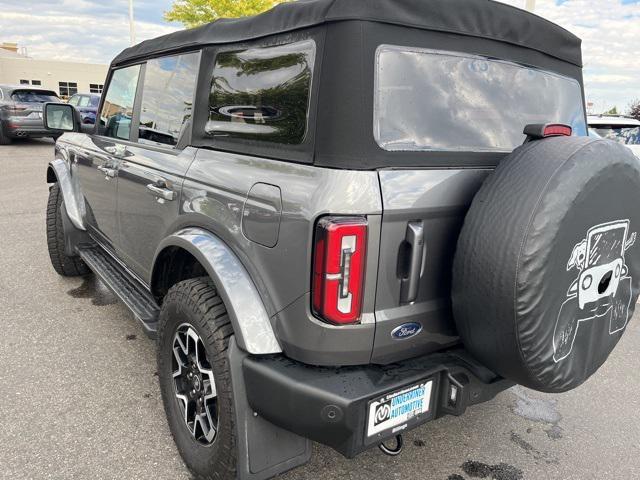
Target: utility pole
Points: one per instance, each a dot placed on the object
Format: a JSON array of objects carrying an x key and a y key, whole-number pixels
[
  {"x": 531, "y": 5},
  {"x": 132, "y": 26}
]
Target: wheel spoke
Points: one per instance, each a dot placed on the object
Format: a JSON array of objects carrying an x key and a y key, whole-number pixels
[{"x": 179, "y": 360}]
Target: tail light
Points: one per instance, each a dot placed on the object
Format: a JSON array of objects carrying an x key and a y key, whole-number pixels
[{"x": 338, "y": 270}]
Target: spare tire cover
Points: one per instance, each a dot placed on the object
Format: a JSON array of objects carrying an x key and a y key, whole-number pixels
[{"x": 547, "y": 268}]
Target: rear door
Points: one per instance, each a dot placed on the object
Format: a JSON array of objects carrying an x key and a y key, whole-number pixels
[
  {"x": 151, "y": 171},
  {"x": 423, "y": 214},
  {"x": 26, "y": 112},
  {"x": 449, "y": 107}
]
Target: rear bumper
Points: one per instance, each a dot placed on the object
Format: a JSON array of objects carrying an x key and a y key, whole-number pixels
[
  {"x": 330, "y": 405},
  {"x": 25, "y": 128}
]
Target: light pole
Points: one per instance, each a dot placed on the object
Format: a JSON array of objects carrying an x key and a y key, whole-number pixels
[
  {"x": 531, "y": 5},
  {"x": 132, "y": 26}
]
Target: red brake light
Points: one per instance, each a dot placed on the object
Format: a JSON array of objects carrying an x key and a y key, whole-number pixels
[
  {"x": 338, "y": 269},
  {"x": 538, "y": 131},
  {"x": 557, "y": 130}
]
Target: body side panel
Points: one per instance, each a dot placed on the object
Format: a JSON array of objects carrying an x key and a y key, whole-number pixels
[{"x": 213, "y": 197}]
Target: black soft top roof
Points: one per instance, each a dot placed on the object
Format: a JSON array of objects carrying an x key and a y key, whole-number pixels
[{"x": 476, "y": 18}]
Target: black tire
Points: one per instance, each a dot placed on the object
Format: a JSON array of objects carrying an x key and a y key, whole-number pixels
[
  {"x": 547, "y": 270},
  {"x": 4, "y": 138},
  {"x": 197, "y": 304},
  {"x": 62, "y": 263}
]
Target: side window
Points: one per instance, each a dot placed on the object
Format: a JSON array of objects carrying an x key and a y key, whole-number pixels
[
  {"x": 167, "y": 98},
  {"x": 74, "y": 100},
  {"x": 262, "y": 93},
  {"x": 117, "y": 110}
]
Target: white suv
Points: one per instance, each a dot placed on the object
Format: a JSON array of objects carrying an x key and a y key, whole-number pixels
[{"x": 624, "y": 130}]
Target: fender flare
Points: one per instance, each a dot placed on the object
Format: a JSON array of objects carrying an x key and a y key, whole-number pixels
[
  {"x": 251, "y": 324},
  {"x": 58, "y": 171}
]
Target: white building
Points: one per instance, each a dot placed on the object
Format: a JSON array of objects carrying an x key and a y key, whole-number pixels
[{"x": 65, "y": 78}]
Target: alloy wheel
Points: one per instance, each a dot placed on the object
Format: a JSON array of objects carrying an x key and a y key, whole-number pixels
[{"x": 194, "y": 385}]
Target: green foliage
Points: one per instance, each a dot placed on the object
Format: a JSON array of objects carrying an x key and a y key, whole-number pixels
[
  {"x": 192, "y": 13},
  {"x": 613, "y": 111},
  {"x": 634, "y": 109}
]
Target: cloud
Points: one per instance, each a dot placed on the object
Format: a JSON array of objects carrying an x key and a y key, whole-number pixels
[
  {"x": 79, "y": 30},
  {"x": 95, "y": 31},
  {"x": 610, "y": 31}
]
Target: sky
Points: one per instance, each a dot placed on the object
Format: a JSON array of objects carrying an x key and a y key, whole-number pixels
[{"x": 96, "y": 30}]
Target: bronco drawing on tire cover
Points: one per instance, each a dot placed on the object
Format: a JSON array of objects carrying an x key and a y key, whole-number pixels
[{"x": 603, "y": 286}]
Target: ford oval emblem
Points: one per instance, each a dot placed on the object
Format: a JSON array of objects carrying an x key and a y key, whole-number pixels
[{"x": 406, "y": 330}]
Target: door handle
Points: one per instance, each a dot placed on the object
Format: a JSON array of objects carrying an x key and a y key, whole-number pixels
[
  {"x": 409, "y": 285},
  {"x": 108, "y": 172},
  {"x": 118, "y": 149},
  {"x": 160, "y": 190}
]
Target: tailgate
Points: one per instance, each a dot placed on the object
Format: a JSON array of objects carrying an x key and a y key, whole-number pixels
[{"x": 423, "y": 212}]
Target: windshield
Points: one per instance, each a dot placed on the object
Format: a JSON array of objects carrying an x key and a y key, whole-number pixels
[
  {"x": 607, "y": 245},
  {"x": 433, "y": 100},
  {"x": 34, "y": 96},
  {"x": 627, "y": 135}
]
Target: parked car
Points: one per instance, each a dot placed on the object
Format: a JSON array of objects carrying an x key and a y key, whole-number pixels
[
  {"x": 21, "y": 112},
  {"x": 341, "y": 220},
  {"x": 624, "y": 130},
  {"x": 87, "y": 105}
]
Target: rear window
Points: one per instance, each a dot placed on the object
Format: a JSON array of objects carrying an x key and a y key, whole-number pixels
[
  {"x": 34, "y": 96},
  {"x": 627, "y": 135},
  {"x": 429, "y": 100},
  {"x": 262, "y": 93}
]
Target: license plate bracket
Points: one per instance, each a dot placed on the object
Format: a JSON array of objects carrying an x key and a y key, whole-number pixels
[{"x": 400, "y": 409}]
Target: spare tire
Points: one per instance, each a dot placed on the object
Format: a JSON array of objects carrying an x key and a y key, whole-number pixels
[{"x": 547, "y": 271}]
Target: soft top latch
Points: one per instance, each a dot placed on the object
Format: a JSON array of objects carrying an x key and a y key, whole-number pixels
[{"x": 538, "y": 131}]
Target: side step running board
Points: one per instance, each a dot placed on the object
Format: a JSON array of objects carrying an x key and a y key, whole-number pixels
[{"x": 124, "y": 285}]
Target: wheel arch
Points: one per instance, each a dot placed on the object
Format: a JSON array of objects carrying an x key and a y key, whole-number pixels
[
  {"x": 249, "y": 317},
  {"x": 58, "y": 172}
]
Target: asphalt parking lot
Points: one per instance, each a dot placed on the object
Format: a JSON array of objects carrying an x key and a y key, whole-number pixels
[{"x": 79, "y": 397}]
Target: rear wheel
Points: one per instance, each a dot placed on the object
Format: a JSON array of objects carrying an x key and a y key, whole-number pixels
[
  {"x": 4, "y": 138},
  {"x": 62, "y": 263},
  {"x": 195, "y": 379}
]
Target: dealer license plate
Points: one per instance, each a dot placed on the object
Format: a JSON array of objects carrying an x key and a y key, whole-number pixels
[{"x": 398, "y": 408}]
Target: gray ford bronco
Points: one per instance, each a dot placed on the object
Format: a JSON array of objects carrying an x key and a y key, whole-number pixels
[{"x": 342, "y": 219}]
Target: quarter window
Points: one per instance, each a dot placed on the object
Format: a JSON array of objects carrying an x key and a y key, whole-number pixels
[
  {"x": 262, "y": 93},
  {"x": 67, "y": 89},
  {"x": 167, "y": 98},
  {"x": 117, "y": 110}
]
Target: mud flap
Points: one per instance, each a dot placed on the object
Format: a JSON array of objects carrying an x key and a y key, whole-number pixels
[{"x": 264, "y": 450}]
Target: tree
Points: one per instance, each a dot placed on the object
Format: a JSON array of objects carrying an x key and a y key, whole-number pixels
[
  {"x": 192, "y": 13},
  {"x": 634, "y": 109},
  {"x": 613, "y": 111}
]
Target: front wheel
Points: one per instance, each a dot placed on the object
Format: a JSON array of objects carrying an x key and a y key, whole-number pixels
[
  {"x": 62, "y": 263},
  {"x": 195, "y": 378}
]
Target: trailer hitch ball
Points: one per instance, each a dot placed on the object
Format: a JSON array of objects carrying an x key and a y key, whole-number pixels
[{"x": 393, "y": 452}]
